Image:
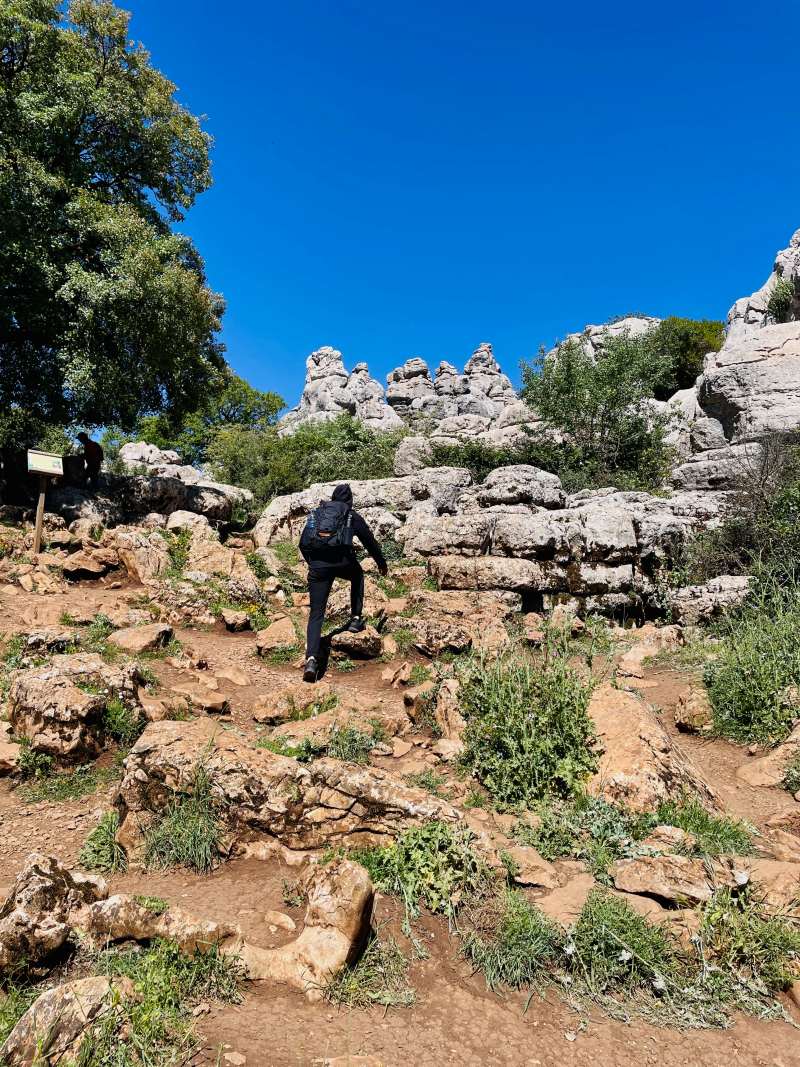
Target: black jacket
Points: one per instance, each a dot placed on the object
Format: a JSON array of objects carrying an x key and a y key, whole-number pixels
[{"x": 341, "y": 555}]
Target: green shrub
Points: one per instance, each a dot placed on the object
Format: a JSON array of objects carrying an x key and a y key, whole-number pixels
[
  {"x": 123, "y": 723},
  {"x": 756, "y": 665},
  {"x": 599, "y": 408},
  {"x": 432, "y": 866},
  {"x": 428, "y": 780},
  {"x": 178, "y": 545},
  {"x": 760, "y": 533},
  {"x": 343, "y": 449},
  {"x": 678, "y": 347},
  {"x": 188, "y": 833},
  {"x": 101, "y": 851},
  {"x": 378, "y": 977},
  {"x": 512, "y": 942},
  {"x": 528, "y": 732},
  {"x": 587, "y": 828},
  {"x": 349, "y": 744},
  {"x": 304, "y": 752},
  {"x": 716, "y": 835},
  {"x": 68, "y": 785},
  {"x": 33, "y": 764},
  {"x": 15, "y": 1000},
  {"x": 781, "y": 299},
  {"x": 614, "y": 948},
  {"x": 749, "y": 943},
  {"x": 155, "y": 1027}
]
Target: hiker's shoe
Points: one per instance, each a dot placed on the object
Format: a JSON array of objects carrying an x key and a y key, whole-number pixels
[
  {"x": 310, "y": 670},
  {"x": 356, "y": 625}
]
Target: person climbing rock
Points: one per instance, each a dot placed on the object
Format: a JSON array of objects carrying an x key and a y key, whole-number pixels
[
  {"x": 327, "y": 547},
  {"x": 93, "y": 456}
]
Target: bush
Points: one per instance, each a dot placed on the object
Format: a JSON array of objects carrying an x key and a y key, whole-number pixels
[
  {"x": 188, "y": 833},
  {"x": 601, "y": 411},
  {"x": 122, "y": 723},
  {"x": 781, "y": 300},
  {"x": 337, "y": 451},
  {"x": 101, "y": 851},
  {"x": 761, "y": 530},
  {"x": 586, "y": 828},
  {"x": 511, "y": 942},
  {"x": 528, "y": 733},
  {"x": 748, "y": 943},
  {"x": 677, "y": 347},
  {"x": 756, "y": 666},
  {"x": 379, "y": 977},
  {"x": 431, "y": 865}
]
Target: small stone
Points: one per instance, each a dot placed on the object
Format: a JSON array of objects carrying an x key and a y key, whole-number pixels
[
  {"x": 400, "y": 748},
  {"x": 236, "y": 1059},
  {"x": 280, "y": 921},
  {"x": 235, "y": 621}
]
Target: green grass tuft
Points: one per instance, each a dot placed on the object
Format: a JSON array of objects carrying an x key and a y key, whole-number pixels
[
  {"x": 512, "y": 942},
  {"x": 189, "y": 831},
  {"x": 379, "y": 977},
  {"x": 716, "y": 835},
  {"x": 101, "y": 851}
]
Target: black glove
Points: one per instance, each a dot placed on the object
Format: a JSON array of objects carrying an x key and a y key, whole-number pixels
[{"x": 383, "y": 569}]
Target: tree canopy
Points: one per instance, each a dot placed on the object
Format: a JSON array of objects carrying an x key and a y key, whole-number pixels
[{"x": 105, "y": 314}]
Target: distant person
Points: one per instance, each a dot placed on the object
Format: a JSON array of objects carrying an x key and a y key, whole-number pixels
[
  {"x": 93, "y": 457},
  {"x": 327, "y": 547}
]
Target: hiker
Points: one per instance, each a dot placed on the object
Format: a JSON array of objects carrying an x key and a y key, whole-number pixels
[
  {"x": 93, "y": 456},
  {"x": 327, "y": 547}
]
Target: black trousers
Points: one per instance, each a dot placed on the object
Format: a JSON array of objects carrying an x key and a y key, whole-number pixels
[{"x": 320, "y": 580}]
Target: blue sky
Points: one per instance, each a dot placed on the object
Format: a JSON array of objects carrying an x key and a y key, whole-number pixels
[{"x": 400, "y": 180}]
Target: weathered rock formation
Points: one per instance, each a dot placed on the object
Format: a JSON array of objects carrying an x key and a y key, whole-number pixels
[
  {"x": 519, "y": 532},
  {"x": 263, "y": 795},
  {"x": 750, "y": 389},
  {"x": 450, "y": 406}
]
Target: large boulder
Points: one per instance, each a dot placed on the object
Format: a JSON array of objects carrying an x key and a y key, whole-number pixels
[
  {"x": 35, "y": 919},
  {"x": 143, "y": 552},
  {"x": 261, "y": 794},
  {"x": 640, "y": 766},
  {"x": 59, "y": 708}
]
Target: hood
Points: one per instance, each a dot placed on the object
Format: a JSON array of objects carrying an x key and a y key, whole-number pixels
[{"x": 343, "y": 493}]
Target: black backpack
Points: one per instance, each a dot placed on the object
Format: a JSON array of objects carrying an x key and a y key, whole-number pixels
[{"x": 329, "y": 526}]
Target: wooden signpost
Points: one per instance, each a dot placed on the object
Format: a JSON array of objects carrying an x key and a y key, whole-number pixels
[{"x": 46, "y": 465}]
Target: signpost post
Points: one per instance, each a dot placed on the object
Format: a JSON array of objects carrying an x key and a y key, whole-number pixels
[{"x": 46, "y": 465}]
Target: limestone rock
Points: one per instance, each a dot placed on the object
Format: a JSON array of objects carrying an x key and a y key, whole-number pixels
[
  {"x": 650, "y": 641},
  {"x": 521, "y": 484},
  {"x": 48, "y": 706},
  {"x": 89, "y": 563},
  {"x": 639, "y": 766},
  {"x": 35, "y": 918},
  {"x": 186, "y": 520},
  {"x": 263, "y": 795},
  {"x": 447, "y": 711},
  {"x": 678, "y": 879},
  {"x": 693, "y": 714},
  {"x": 280, "y": 634},
  {"x": 530, "y": 869},
  {"x": 413, "y": 454},
  {"x": 62, "y": 1018},
  {"x": 693, "y": 604},
  {"x": 336, "y": 927},
  {"x": 669, "y": 839},
  {"x": 124, "y": 918},
  {"x": 364, "y": 645},
  {"x": 768, "y": 770},
  {"x": 137, "y": 639},
  {"x": 144, "y": 554},
  {"x": 433, "y": 636},
  {"x": 234, "y": 620}
]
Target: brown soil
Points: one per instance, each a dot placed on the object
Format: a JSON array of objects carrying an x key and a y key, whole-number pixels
[{"x": 455, "y": 1020}]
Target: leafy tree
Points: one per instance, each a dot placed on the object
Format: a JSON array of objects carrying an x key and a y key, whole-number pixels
[
  {"x": 600, "y": 410},
  {"x": 678, "y": 347},
  {"x": 268, "y": 464},
  {"x": 104, "y": 311},
  {"x": 234, "y": 403}
]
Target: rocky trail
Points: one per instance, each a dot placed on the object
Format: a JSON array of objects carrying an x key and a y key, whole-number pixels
[{"x": 215, "y": 688}]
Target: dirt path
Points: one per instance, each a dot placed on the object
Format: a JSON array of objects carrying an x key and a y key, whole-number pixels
[{"x": 455, "y": 1020}]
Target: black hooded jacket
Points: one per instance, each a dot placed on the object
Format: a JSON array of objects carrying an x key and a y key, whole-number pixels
[{"x": 323, "y": 557}]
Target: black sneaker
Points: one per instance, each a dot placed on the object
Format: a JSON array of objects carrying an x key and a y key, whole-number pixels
[
  {"x": 356, "y": 625},
  {"x": 311, "y": 670}
]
